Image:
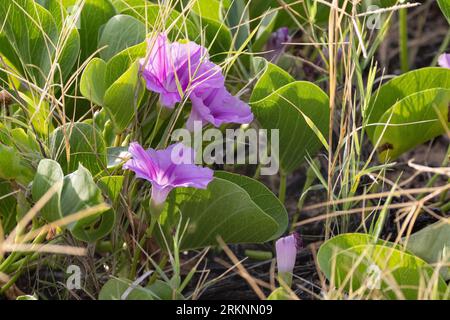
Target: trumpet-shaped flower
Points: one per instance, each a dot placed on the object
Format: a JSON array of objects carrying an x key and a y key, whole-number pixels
[
  {"x": 217, "y": 106},
  {"x": 167, "y": 169},
  {"x": 276, "y": 45},
  {"x": 177, "y": 70},
  {"x": 286, "y": 249},
  {"x": 444, "y": 60}
]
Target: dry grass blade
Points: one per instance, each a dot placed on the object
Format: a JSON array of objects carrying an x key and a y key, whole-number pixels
[
  {"x": 241, "y": 270},
  {"x": 48, "y": 248}
]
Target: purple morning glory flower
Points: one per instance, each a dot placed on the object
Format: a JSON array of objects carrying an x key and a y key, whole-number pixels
[
  {"x": 444, "y": 60},
  {"x": 286, "y": 248},
  {"x": 217, "y": 106},
  {"x": 277, "y": 44},
  {"x": 175, "y": 70},
  {"x": 167, "y": 169}
]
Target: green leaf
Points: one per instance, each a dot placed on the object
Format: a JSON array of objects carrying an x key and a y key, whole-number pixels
[
  {"x": 272, "y": 78},
  {"x": 80, "y": 192},
  {"x": 25, "y": 143},
  {"x": 32, "y": 31},
  {"x": 432, "y": 244},
  {"x": 111, "y": 186},
  {"x": 445, "y": 7},
  {"x": 34, "y": 34},
  {"x": 115, "y": 289},
  {"x": 121, "y": 62},
  {"x": 279, "y": 294},
  {"x": 37, "y": 111},
  {"x": 94, "y": 15},
  {"x": 10, "y": 163},
  {"x": 349, "y": 259},
  {"x": 7, "y": 206},
  {"x": 122, "y": 99},
  {"x": 239, "y": 22},
  {"x": 99, "y": 76},
  {"x": 123, "y": 5},
  {"x": 262, "y": 196},
  {"x": 71, "y": 50},
  {"x": 265, "y": 30},
  {"x": 339, "y": 243},
  {"x": 412, "y": 121},
  {"x": 224, "y": 209},
  {"x": 27, "y": 297},
  {"x": 153, "y": 15},
  {"x": 120, "y": 33},
  {"x": 48, "y": 174},
  {"x": 77, "y": 191},
  {"x": 208, "y": 9},
  {"x": 411, "y": 274},
  {"x": 93, "y": 81},
  {"x": 76, "y": 143},
  {"x": 207, "y": 16},
  {"x": 299, "y": 110},
  {"x": 401, "y": 87}
]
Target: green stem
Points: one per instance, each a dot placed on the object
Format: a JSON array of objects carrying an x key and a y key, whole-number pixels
[
  {"x": 446, "y": 207},
  {"x": 8, "y": 261},
  {"x": 13, "y": 257},
  {"x": 118, "y": 140},
  {"x": 162, "y": 265},
  {"x": 138, "y": 252},
  {"x": 14, "y": 278},
  {"x": 285, "y": 279},
  {"x": 403, "y": 31},
  {"x": 442, "y": 49},
  {"x": 282, "y": 188}
]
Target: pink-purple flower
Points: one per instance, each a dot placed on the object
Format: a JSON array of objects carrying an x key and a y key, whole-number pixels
[
  {"x": 217, "y": 106},
  {"x": 167, "y": 169},
  {"x": 276, "y": 45},
  {"x": 177, "y": 70},
  {"x": 286, "y": 249},
  {"x": 444, "y": 60}
]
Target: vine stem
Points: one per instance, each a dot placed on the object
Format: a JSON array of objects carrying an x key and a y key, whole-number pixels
[
  {"x": 155, "y": 212},
  {"x": 138, "y": 252},
  {"x": 118, "y": 140},
  {"x": 403, "y": 31}
]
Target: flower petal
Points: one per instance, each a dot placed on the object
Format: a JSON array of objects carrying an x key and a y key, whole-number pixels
[
  {"x": 218, "y": 106},
  {"x": 190, "y": 175},
  {"x": 141, "y": 163},
  {"x": 444, "y": 60},
  {"x": 159, "y": 194},
  {"x": 286, "y": 249}
]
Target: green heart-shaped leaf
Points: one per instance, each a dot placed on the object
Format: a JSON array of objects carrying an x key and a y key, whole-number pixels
[
  {"x": 445, "y": 7},
  {"x": 432, "y": 244},
  {"x": 94, "y": 15},
  {"x": 93, "y": 81},
  {"x": 412, "y": 121},
  {"x": 80, "y": 192},
  {"x": 120, "y": 33},
  {"x": 262, "y": 196},
  {"x": 350, "y": 259},
  {"x": 48, "y": 174},
  {"x": 76, "y": 143},
  {"x": 226, "y": 209},
  {"x": 123, "y": 98},
  {"x": 115, "y": 289},
  {"x": 401, "y": 87},
  {"x": 299, "y": 110}
]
